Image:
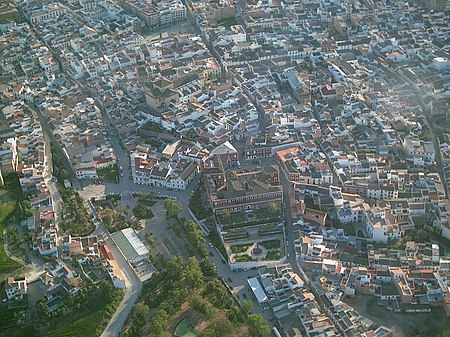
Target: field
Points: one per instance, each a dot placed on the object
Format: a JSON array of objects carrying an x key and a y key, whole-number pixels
[
  {"x": 85, "y": 327},
  {"x": 9, "y": 197},
  {"x": 184, "y": 329}
]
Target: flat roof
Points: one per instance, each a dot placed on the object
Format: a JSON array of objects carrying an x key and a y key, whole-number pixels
[
  {"x": 257, "y": 289},
  {"x": 129, "y": 243}
]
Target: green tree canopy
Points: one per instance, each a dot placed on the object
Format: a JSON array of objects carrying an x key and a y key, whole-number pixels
[{"x": 172, "y": 207}]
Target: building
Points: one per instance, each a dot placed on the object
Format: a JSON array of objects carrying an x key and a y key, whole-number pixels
[
  {"x": 149, "y": 171},
  {"x": 243, "y": 189},
  {"x": 420, "y": 152},
  {"x": 48, "y": 12},
  {"x": 130, "y": 245},
  {"x": 16, "y": 289}
]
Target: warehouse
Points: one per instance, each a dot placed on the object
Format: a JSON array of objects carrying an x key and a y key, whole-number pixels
[{"x": 130, "y": 245}]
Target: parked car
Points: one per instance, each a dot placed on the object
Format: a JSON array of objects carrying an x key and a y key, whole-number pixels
[
  {"x": 230, "y": 280},
  {"x": 211, "y": 254}
]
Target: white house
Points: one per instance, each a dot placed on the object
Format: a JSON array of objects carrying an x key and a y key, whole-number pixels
[{"x": 16, "y": 289}]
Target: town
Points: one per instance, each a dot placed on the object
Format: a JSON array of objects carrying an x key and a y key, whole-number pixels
[{"x": 224, "y": 168}]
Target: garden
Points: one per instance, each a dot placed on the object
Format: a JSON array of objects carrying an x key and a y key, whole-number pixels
[
  {"x": 268, "y": 215},
  {"x": 271, "y": 244},
  {"x": 239, "y": 248}
]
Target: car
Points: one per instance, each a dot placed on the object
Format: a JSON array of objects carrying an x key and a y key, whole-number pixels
[
  {"x": 211, "y": 254},
  {"x": 210, "y": 244},
  {"x": 223, "y": 262},
  {"x": 230, "y": 280},
  {"x": 231, "y": 288}
]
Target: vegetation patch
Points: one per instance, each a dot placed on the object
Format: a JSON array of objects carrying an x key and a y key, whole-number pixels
[
  {"x": 110, "y": 173},
  {"x": 240, "y": 248},
  {"x": 235, "y": 236},
  {"x": 421, "y": 234},
  {"x": 185, "y": 329},
  {"x": 273, "y": 255},
  {"x": 197, "y": 204},
  {"x": 170, "y": 246},
  {"x": 141, "y": 211},
  {"x": 90, "y": 312},
  {"x": 271, "y": 244},
  {"x": 76, "y": 220},
  {"x": 227, "y": 23},
  {"x": 10, "y": 197},
  {"x": 180, "y": 291},
  {"x": 215, "y": 240},
  {"x": 242, "y": 258}
]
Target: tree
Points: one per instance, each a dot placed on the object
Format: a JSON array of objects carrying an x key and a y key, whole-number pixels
[
  {"x": 218, "y": 293},
  {"x": 208, "y": 267},
  {"x": 149, "y": 238},
  {"x": 194, "y": 275},
  {"x": 141, "y": 309},
  {"x": 141, "y": 211},
  {"x": 159, "y": 321},
  {"x": 219, "y": 328},
  {"x": 235, "y": 315},
  {"x": 226, "y": 214},
  {"x": 196, "y": 239},
  {"x": 172, "y": 207},
  {"x": 258, "y": 326},
  {"x": 273, "y": 207},
  {"x": 247, "y": 306}
]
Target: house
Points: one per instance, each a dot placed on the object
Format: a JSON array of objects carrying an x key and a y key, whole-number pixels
[{"x": 16, "y": 288}]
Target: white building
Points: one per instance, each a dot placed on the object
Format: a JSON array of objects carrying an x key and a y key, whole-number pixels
[
  {"x": 130, "y": 245},
  {"x": 16, "y": 289}
]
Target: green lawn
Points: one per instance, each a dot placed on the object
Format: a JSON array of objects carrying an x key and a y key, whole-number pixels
[
  {"x": 10, "y": 194},
  {"x": 271, "y": 244},
  {"x": 185, "y": 329}
]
